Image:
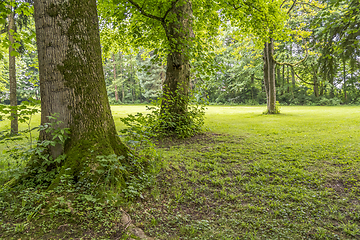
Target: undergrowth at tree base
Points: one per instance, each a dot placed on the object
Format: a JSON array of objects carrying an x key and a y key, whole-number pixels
[
  {"x": 88, "y": 206},
  {"x": 162, "y": 121}
]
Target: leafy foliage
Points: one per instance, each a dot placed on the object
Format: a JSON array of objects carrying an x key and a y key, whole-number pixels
[{"x": 163, "y": 124}]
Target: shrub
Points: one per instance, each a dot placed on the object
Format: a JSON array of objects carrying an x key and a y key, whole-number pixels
[{"x": 162, "y": 123}]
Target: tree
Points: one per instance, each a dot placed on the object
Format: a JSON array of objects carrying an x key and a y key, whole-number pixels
[
  {"x": 176, "y": 22},
  {"x": 264, "y": 20},
  {"x": 16, "y": 13},
  {"x": 12, "y": 72},
  {"x": 72, "y": 84},
  {"x": 270, "y": 62},
  {"x": 167, "y": 27},
  {"x": 337, "y": 33},
  {"x": 10, "y": 29},
  {"x": 267, "y": 21}
]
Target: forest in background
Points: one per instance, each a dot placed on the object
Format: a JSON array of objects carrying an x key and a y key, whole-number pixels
[{"x": 317, "y": 61}]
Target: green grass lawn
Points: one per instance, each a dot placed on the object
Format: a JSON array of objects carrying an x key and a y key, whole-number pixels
[
  {"x": 289, "y": 176},
  {"x": 252, "y": 176}
]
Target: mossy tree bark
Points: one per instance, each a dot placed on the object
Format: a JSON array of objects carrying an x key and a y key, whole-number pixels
[
  {"x": 12, "y": 73},
  {"x": 177, "y": 82},
  {"x": 72, "y": 82},
  {"x": 269, "y": 76}
]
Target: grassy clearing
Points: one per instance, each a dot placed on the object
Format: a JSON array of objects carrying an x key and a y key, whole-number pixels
[
  {"x": 252, "y": 176},
  {"x": 289, "y": 176}
]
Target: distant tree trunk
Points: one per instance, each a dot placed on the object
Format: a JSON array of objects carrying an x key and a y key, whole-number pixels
[
  {"x": 122, "y": 78},
  {"x": 316, "y": 86},
  {"x": 322, "y": 89},
  {"x": 176, "y": 84},
  {"x": 332, "y": 87},
  {"x": 288, "y": 78},
  {"x": 344, "y": 77},
  {"x": 315, "y": 80},
  {"x": 132, "y": 76},
  {"x": 12, "y": 75},
  {"x": 115, "y": 85},
  {"x": 269, "y": 76},
  {"x": 252, "y": 77},
  {"x": 292, "y": 75},
  {"x": 293, "y": 79},
  {"x": 283, "y": 80},
  {"x": 72, "y": 84},
  {"x": 278, "y": 74},
  {"x": 140, "y": 93}
]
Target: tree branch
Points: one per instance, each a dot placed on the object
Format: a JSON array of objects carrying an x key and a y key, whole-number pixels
[
  {"x": 2, "y": 31},
  {"x": 292, "y": 64},
  {"x": 142, "y": 11},
  {"x": 282, "y": 4},
  {"x": 311, "y": 5},
  {"x": 173, "y": 5},
  {"x": 292, "y": 6},
  {"x": 251, "y": 6},
  {"x": 245, "y": 3},
  {"x": 161, "y": 19},
  {"x": 300, "y": 77}
]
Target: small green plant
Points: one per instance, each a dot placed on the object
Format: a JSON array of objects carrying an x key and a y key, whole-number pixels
[
  {"x": 18, "y": 147},
  {"x": 24, "y": 113},
  {"x": 276, "y": 111}
]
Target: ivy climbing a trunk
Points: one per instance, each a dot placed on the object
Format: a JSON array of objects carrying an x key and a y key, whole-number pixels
[
  {"x": 177, "y": 81},
  {"x": 176, "y": 21}
]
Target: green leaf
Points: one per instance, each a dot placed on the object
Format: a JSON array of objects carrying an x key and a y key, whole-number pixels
[{"x": 14, "y": 54}]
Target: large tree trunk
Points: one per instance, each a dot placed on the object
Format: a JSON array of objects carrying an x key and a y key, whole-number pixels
[
  {"x": 72, "y": 83},
  {"x": 269, "y": 76},
  {"x": 177, "y": 82},
  {"x": 12, "y": 75}
]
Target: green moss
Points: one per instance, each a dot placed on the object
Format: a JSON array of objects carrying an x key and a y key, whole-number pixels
[{"x": 53, "y": 10}]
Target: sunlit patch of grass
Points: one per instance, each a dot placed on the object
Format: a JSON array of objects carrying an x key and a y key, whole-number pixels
[{"x": 288, "y": 176}]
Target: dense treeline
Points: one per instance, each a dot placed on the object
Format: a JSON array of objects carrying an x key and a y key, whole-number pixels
[{"x": 324, "y": 37}]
